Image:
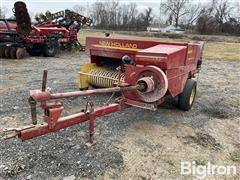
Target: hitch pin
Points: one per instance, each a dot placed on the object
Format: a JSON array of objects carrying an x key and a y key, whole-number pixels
[{"x": 15, "y": 132}]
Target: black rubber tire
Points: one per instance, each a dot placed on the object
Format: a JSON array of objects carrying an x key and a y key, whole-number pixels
[
  {"x": 184, "y": 101},
  {"x": 35, "y": 50},
  {"x": 49, "y": 50}
]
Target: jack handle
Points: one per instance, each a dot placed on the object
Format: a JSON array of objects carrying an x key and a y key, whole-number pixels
[
  {"x": 33, "y": 108},
  {"x": 44, "y": 80},
  {"x": 32, "y": 101}
]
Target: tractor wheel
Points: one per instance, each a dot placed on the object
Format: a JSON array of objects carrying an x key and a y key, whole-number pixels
[
  {"x": 35, "y": 50},
  {"x": 187, "y": 97},
  {"x": 49, "y": 50},
  {"x": 2, "y": 52},
  {"x": 7, "y": 52},
  {"x": 20, "y": 53},
  {"x": 13, "y": 52}
]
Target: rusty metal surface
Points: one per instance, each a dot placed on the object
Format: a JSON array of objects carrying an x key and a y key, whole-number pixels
[{"x": 20, "y": 53}]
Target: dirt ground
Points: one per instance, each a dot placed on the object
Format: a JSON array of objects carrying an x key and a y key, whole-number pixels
[{"x": 131, "y": 144}]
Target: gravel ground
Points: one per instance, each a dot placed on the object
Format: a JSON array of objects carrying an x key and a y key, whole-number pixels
[{"x": 133, "y": 143}]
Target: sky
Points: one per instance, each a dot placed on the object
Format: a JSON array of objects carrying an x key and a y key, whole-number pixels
[{"x": 37, "y": 6}]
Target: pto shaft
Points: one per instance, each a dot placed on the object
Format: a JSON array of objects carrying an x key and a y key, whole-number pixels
[
  {"x": 92, "y": 92},
  {"x": 42, "y": 96}
]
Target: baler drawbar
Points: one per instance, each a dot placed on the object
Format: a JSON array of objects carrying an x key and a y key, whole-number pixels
[{"x": 52, "y": 111}]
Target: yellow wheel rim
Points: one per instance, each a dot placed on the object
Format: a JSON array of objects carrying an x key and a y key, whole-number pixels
[{"x": 193, "y": 93}]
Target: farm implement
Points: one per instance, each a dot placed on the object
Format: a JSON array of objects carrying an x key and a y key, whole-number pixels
[
  {"x": 51, "y": 32},
  {"x": 146, "y": 73}
]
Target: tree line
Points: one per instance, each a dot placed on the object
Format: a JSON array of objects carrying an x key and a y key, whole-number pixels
[
  {"x": 216, "y": 16},
  {"x": 114, "y": 15}
]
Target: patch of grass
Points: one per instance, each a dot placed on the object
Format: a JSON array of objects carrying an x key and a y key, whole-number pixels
[
  {"x": 170, "y": 162},
  {"x": 222, "y": 51},
  {"x": 235, "y": 156},
  {"x": 233, "y": 101},
  {"x": 200, "y": 162}
]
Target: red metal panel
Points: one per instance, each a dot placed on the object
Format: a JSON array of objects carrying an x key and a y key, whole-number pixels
[
  {"x": 163, "y": 49},
  {"x": 176, "y": 79},
  {"x": 163, "y": 56},
  {"x": 193, "y": 54},
  {"x": 117, "y": 45},
  {"x": 110, "y": 54}
]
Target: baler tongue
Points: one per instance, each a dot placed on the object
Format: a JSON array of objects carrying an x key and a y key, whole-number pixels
[
  {"x": 53, "y": 110},
  {"x": 10, "y": 133}
]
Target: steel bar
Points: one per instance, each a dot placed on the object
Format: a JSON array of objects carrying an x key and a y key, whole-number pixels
[
  {"x": 44, "y": 80},
  {"x": 91, "y": 92},
  {"x": 68, "y": 121}
]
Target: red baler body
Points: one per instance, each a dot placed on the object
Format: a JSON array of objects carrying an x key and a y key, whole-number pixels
[{"x": 178, "y": 60}]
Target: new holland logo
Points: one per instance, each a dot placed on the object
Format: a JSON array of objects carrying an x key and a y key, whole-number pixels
[{"x": 117, "y": 45}]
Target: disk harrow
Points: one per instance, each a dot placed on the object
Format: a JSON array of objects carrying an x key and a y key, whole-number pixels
[
  {"x": 53, "y": 31},
  {"x": 64, "y": 18},
  {"x": 9, "y": 52}
]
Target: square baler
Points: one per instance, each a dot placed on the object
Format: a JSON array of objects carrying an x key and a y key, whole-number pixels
[{"x": 144, "y": 72}]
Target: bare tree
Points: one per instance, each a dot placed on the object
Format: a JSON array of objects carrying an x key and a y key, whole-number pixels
[
  {"x": 145, "y": 19},
  {"x": 112, "y": 9},
  {"x": 2, "y": 12},
  {"x": 114, "y": 15},
  {"x": 98, "y": 10},
  {"x": 133, "y": 13},
  {"x": 194, "y": 12},
  {"x": 79, "y": 9},
  {"x": 125, "y": 11},
  {"x": 206, "y": 22},
  {"x": 222, "y": 8},
  {"x": 176, "y": 9}
]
